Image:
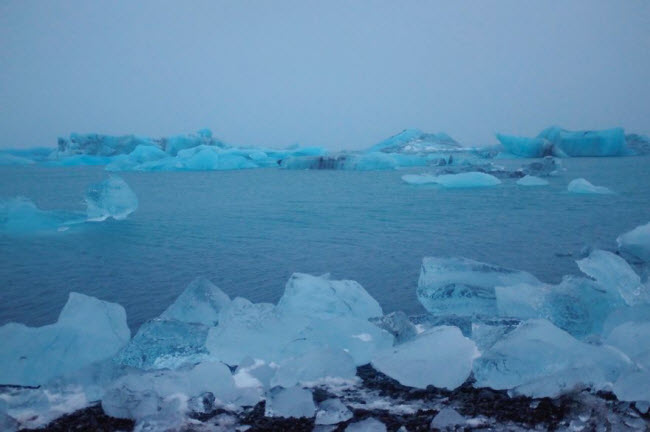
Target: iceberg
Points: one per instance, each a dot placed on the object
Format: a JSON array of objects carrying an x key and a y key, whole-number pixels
[
  {"x": 609, "y": 142},
  {"x": 416, "y": 141},
  {"x": 582, "y": 186},
  {"x": 529, "y": 180},
  {"x": 636, "y": 242},
  {"x": 290, "y": 402},
  {"x": 538, "y": 359},
  {"x": 525, "y": 147},
  {"x": 20, "y": 216},
  {"x": 441, "y": 357},
  {"x": 463, "y": 287},
  {"x": 88, "y": 331},
  {"x": 461, "y": 180},
  {"x": 101, "y": 145},
  {"x": 110, "y": 198}
]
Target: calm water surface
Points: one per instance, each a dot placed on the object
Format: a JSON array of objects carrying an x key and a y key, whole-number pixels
[{"x": 248, "y": 231}]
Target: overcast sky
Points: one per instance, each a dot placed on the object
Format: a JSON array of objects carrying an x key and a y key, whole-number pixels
[{"x": 339, "y": 74}]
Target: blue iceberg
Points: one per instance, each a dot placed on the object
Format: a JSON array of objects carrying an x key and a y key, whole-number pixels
[{"x": 525, "y": 147}]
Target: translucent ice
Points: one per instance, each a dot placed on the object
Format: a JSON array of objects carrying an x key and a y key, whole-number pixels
[
  {"x": 398, "y": 324},
  {"x": 576, "y": 305},
  {"x": 201, "y": 303},
  {"x": 461, "y": 180},
  {"x": 460, "y": 286},
  {"x": 101, "y": 145},
  {"x": 321, "y": 297},
  {"x": 582, "y": 186},
  {"x": 20, "y": 216},
  {"x": 367, "y": 425},
  {"x": 290, "y": 402},
  {"x": 532, "y": 181},
  {"x": 416, "y": 141},
  {"x": 636, "y": 242},
  {"x": 110, "y": 198},
  {"x": 447, "y": 418},
  {"x": 525, "y": 147},
  {"x": 538, "y": 359},
  {"x": 633, "y": 386},
  {"x": 332, "y": 411},
  {"x": 614, "y": 274},
  {"x": 314, "y": 366},
  {"x": 88, "y": 330},
  {"x": 441, "y": 357},
  {"x": 633, "y": 338}
]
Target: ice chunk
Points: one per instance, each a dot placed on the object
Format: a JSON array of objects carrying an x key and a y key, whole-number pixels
[
  {"x": 532, "y": 181},
  {"x": 416, "y": 141},
  {"x": 633, "y": 338},
  {"x": 110, "y": 198},
  {"x": 633, "y": 386},
  {"x": 397, "y": 324},
  {"x": 290, "y": 402},
  {"x": 321, "y": 297},
  {"x": 254, "y": 373},
  {"x": 461, "y": 180},
  {"x": 101, "y": 145},
  {"x": 538, "y": 359},
  {"x": 447, "y": 418},
  {"x": 441, "y": 357},
  {"x": 609, "y": 142},
  {"x": 525, "y": 147},
  {"x": 20, "y": 216},
  {"x": 358, "y": 337},
  {"x": 141, "y": 396},
  {"x": 544, "y": 167},
  {"x": 367, "y": 425},
  {"x": 460, "y": 286},
  {"x": 487, "y": 333},
  {"x": 614, "y": 274},
  {"x": 88, "y": 330},
  {"x": 576, "y": 305},
  {"x": 332, "y": 411},
  {"x": 636, "y": 242},
  {"x": 582, "y": 186},
  {"x": 201, "y": 303},
  {"x": 141, "y": 154},
  {"x": 638, "y": 313},
  {"x": 315, "y": 366}
]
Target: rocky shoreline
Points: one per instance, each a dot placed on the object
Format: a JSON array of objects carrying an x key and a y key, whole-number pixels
[{"x": 403, "y": 408}]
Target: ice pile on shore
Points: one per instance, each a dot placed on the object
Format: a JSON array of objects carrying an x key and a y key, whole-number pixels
[{"x": 208, "y": 351}]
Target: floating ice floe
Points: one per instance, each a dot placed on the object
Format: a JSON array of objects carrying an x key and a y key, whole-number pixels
[
  {"x": 525, "y": 147},
  {"x": 636, "y": 242},
  {"x": 461, "y": 180},
  {"x": 582, "y": 186},
  {"x": 110, "y": 198},
  {"x": 532, "y": 181}
]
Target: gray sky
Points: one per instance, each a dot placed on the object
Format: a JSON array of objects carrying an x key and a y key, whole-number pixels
[{"x": 339, "y": 74}]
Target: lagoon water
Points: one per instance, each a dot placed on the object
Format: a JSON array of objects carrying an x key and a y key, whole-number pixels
[{"x": 249, "y": 230}]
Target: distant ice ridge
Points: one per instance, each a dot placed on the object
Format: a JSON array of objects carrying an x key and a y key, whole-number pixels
[
  {"x": 207, "y": 351},
  {"x": 563, "y": 143},
  {"x": 111, "y": 198}
]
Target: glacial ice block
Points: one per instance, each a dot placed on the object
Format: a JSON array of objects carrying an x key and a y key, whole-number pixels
[
  {"x": 415, "y": 141},
  {"x": 398, "y": 324},
  {"x": 448, "y": 418},
  {"x": 582, "y": 186},
  {"x": 633, "y": 386},
  {"x": 290, "y": 402},
  {"x": 201, "y": 302},
  {"x": 636, "y": 242},
  {"x": 110, "y": 198},
  {"x": 321, "y": 297},
  {"x": 88, "y": 330},
  {"x": 633, "y": 338},
  {"x": 609, "y": 142},
  {"x": 525, "y": 147},
  {"x": 441, "y": 357},
  {"x": 460, "y": 286},
  {"x": 538, "y": 359},
  {"x": 614, "y": 274},
  {"x": 315, "y": 366},
  {"x": 331, "y": 412},
  {"x": 577, "y": 305},
  {"x": 532, "y": 181},
  {"x": 368, "y": 425},
  {"x": 462, "y": 180},
  {"x": 20, "y": 216}
]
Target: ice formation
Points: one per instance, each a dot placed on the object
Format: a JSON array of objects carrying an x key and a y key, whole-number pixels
[
  {"x": 461, "y": 180},
  {"x": 447, "y": 418},
  {"x": 538, "y": 359},
  {"x": 529, "y": 180},
  {"x": 290, "y": 402},
  {"x": 314, "y": 366},
  {"x": 332, "y": 411},
  {"x": 367, "y": 425},
  {"x": 636, "y": 242},
  {"x": 110, "y": 198},
  {"x": 460, "y": 286},
  {"x": 441, "y": 357},
  {"x": 609, "y": 142},
  {"x": 525, "y": 147},
  {"x": 88, "y": 330},
  {"x": 582, "y": 186},
  {"x": 416, "y": 141},
  {"x": 20, "y": 216}
]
